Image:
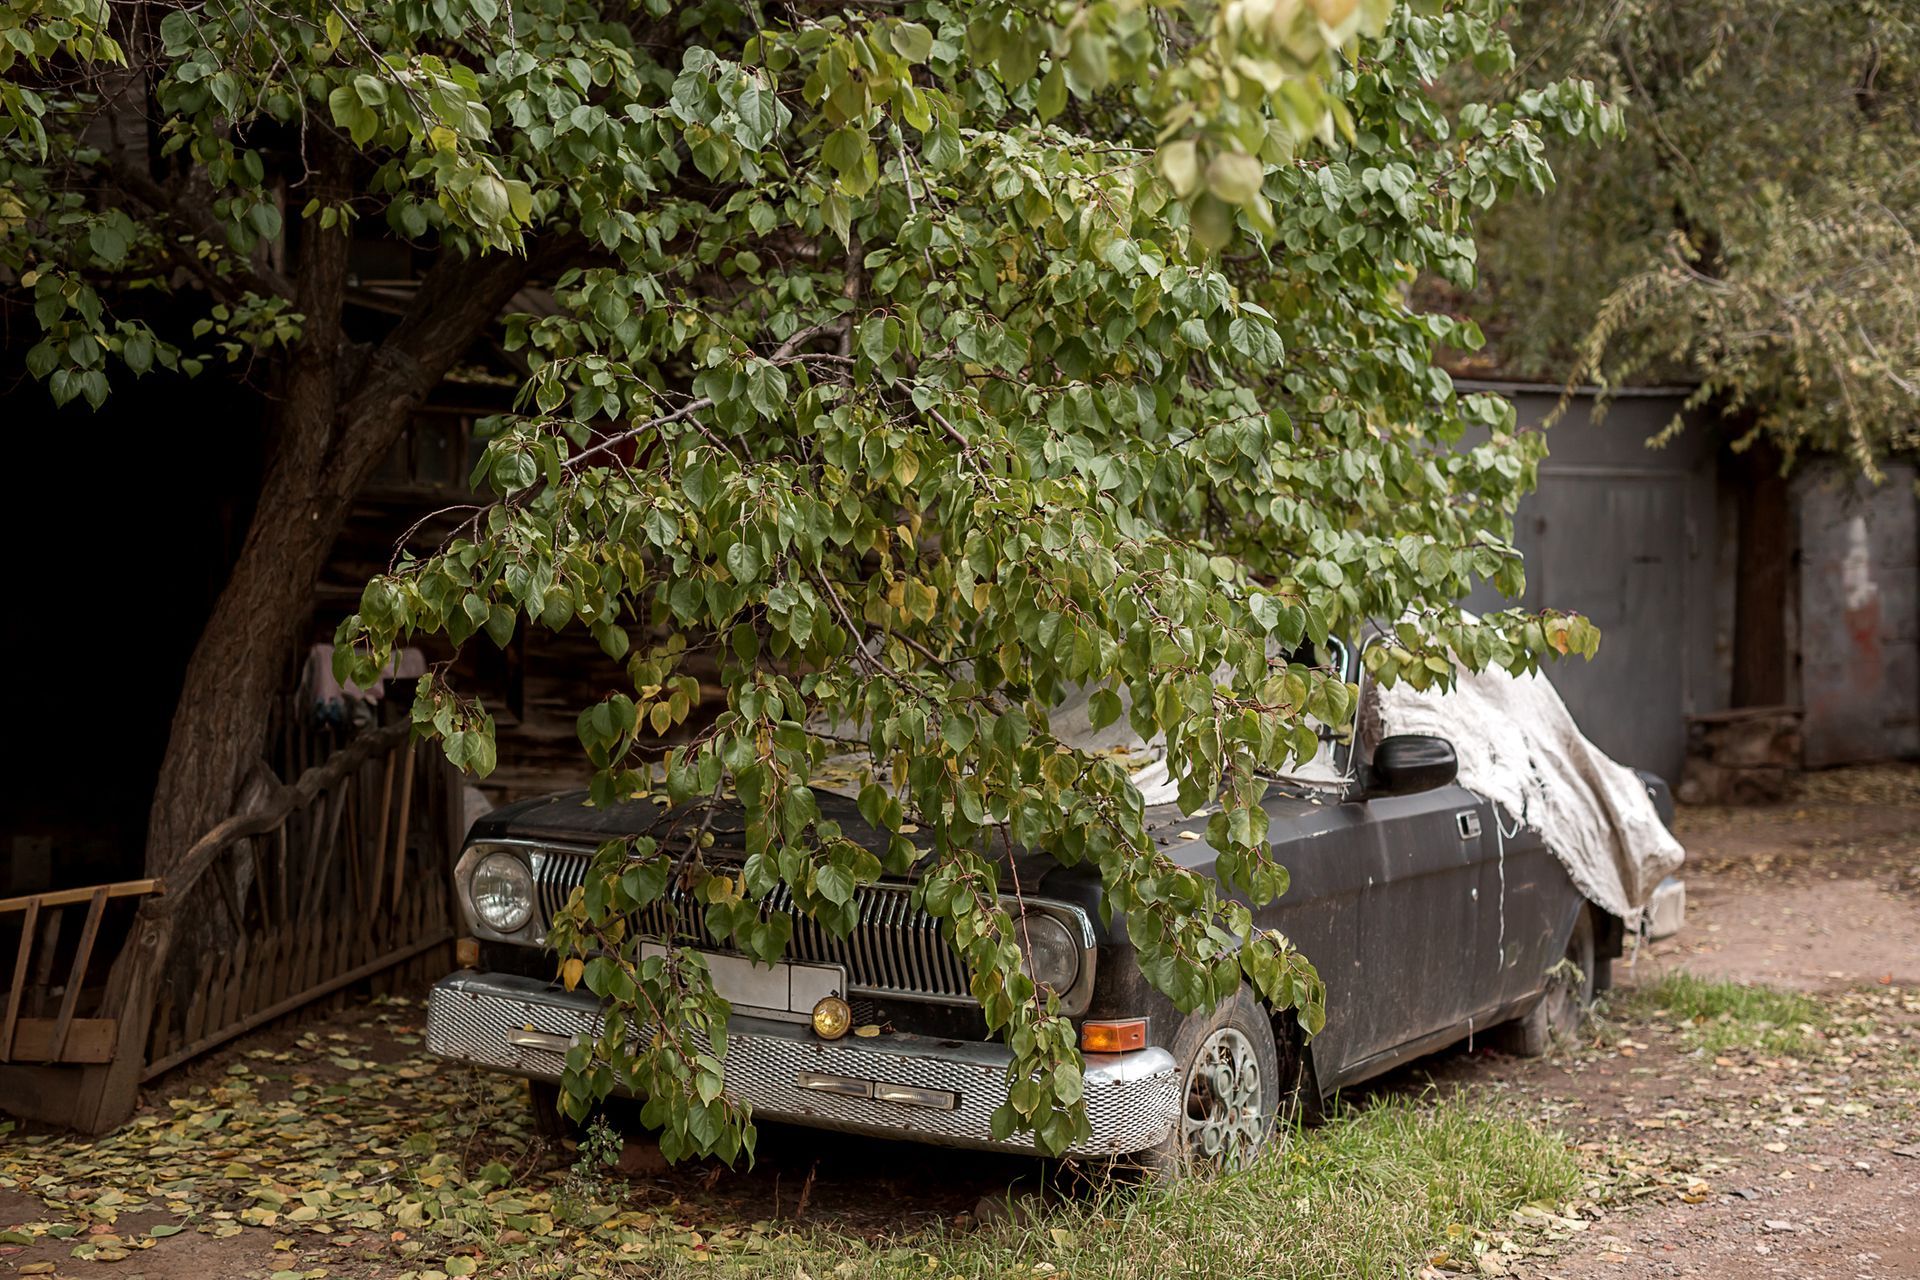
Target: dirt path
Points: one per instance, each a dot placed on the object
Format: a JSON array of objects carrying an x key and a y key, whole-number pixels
[
  {"x": 1818, "y": 894},
  {"x": 1806, "y": 1167}
]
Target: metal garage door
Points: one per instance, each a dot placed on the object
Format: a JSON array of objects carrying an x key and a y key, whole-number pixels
[{"x": 1624, "y": 534}]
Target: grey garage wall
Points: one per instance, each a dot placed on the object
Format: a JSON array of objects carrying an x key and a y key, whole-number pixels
[{"x": 1629, "y": 536}]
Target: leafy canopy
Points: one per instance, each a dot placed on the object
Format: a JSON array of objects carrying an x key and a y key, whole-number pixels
[
  {"x": 1757, "y": 229},
  {"x": 921, "y": 363}
]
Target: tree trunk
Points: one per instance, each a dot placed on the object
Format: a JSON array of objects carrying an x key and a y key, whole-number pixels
[
  {"x": 331, "y": 442},
  {"x": 1762, "y": 566},
  {"x": 241, "y": 662},
  {"x": 220, "y": 722},
  {"x": 334, "y": 428}
]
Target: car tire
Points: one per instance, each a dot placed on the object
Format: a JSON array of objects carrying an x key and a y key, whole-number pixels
[
  {"x": 1557, "y": 1016},
  {"x": 1232, "y": 1091}
]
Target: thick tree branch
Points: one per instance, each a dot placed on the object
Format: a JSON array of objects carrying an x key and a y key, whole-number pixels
[
  {"x": 187, "y": 217},
  {"x": 457, "y": 301},
  {"x": 281, "y": 800}
]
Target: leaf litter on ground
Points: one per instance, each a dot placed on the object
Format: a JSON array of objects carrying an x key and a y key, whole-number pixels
[{"x": 355, "y": 1149}]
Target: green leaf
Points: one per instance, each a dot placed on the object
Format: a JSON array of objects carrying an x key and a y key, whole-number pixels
[
  {"x": 1180, "y": 164},
  {"x": 845, "y": 149},
  {"x": 911, "y": 40},
  {"x": 1234, "y": 177},
  {"x": 957, "y": 732},
  {"x": 835, "y": 884},
  {"x": 942, "y": 149},
  {"x": 1052, "y": 98},
  {"x": 743, "y": 562},
  {"x": 138, "y": 352}
]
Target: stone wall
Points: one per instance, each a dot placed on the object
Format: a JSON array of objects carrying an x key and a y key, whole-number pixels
[{"x": 1858, "y": 614}]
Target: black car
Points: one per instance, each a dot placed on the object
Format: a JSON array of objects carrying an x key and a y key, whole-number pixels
[{"x": 1431, "y": 915}]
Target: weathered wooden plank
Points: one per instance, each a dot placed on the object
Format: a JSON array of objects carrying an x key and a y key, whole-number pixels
[
  {"x": 67, "y": 897},
  {"x": 256, "y": 880},
  {"x": 263, "y": 974},
  {"x": 17, "y": 988},
  {"x": 294, "y": 965},
  {"x": 241, "y": 956},
  {"x": 280, "y": 869},
  {"x": 239, "y": 992},
  {"x": 356, "y": 820},
  {"x": 77, "y": 978},
  {"x": 196, "y": 1018},
  {"x": 283, "y": 984},
  {"x": 160, "y": 1034},
  {"x": 226, "y": 878},
  {"x": 288, "y": 1005},
  {"x": 234, "y": 980},
  {"x": 236, "y": 976},
  {"x": 46, "y": 952},
  {"x": 308, "y": 971},
  {"x": 380, "y": 837},
  {"x": 406, "y": 815},
  {"x": 292, "y": 962},
  {"x": 321, "y": 870},
  {"x": 313, "y": 824},
  {"x": 88, "y": 1040}
]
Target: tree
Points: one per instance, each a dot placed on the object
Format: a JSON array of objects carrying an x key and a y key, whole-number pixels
[
  {"x": 1756, "y": 231},
  {"x": 921, "y": 361}
]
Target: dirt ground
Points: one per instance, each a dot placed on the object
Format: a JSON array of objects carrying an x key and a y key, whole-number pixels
[
  {"x": 1804, "y": 1169},
  {"x": 1815, "y": 1169},
  {"x": 307, "y": 1152}
]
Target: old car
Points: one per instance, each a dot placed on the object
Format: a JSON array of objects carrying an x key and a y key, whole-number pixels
[{"x": 1431, "y": 915}]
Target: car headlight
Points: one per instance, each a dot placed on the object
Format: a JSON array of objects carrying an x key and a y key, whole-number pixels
[
  {"x": 1048, "y": 953},
  {"x": 502, "y": 892}
]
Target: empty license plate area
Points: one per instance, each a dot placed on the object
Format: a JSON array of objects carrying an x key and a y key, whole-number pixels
[{"x": 787, "y": 992}]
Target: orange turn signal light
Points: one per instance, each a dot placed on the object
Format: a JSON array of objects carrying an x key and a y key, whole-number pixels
[
  {"x": 1113, "y": 1037},
  {"x": 466, "y": 953}
]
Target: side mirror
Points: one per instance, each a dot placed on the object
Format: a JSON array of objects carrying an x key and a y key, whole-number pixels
[{"x": 1410, "y": 762}]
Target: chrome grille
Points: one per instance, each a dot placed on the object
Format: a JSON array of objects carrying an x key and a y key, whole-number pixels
[
  {"x": 556, "y": 874},
  {"x": 893, "y": 950}
]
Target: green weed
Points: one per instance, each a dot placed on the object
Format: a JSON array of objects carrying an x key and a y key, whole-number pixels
[{"x": 1718, "y": 1016}]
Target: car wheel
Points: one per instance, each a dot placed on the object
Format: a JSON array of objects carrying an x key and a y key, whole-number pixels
[
  {"x": 1556, "y": 1017},
  {"x": 1231, "y": 1090}
]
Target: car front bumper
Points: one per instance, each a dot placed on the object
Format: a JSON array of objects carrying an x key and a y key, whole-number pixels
[{"x": 524, "y": 1026}]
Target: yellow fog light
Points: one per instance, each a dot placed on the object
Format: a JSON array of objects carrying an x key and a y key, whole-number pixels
[{"x": 831, "y": 1018}]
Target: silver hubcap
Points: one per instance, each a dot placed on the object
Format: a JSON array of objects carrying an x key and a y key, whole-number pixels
[{"x": 1222, "y": 1124}]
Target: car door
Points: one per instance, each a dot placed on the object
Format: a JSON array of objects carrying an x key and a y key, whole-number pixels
[
  {"x": 1425, "y": 967},
  {"x": 1327, "y": 870},
  {"x": 1524, "y": 894}
]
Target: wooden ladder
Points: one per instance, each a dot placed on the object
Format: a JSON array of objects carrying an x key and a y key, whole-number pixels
[{"x": 63, "y": 1037}]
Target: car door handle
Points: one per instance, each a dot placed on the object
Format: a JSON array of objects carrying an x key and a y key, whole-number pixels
[{"x": 1469, "y": 824}]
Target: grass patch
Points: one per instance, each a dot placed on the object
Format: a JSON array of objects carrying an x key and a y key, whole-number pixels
[
  {"x": 1718, "y": 1016},
  {"x": 1366, "y": 1195}
]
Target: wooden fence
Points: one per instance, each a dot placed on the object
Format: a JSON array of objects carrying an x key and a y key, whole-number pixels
[
  {"x": 355, "y": 878},
  {"x": 342, "y": 874}
]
